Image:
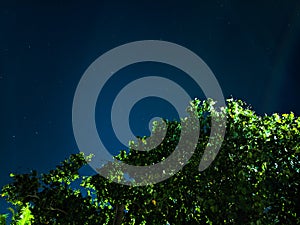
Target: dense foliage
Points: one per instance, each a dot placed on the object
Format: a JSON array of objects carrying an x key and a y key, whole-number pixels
[{"x": 254, "y": 179}]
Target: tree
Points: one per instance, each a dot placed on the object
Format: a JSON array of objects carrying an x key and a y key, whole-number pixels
[{"x": 254, "y": 179}]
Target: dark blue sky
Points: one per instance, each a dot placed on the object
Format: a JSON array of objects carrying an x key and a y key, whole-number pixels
[{"x": 253, "y": 49}]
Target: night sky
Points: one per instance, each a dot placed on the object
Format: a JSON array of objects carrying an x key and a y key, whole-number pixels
[{"x": 252, "y": 48}]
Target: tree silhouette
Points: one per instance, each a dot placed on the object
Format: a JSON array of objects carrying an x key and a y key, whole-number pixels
[{"x": 254, "y": 179}]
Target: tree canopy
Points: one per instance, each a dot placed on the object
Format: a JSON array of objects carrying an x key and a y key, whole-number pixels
[{"x": 254, "y": 178}]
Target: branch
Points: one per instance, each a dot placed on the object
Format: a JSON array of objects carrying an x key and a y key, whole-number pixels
[{"x": 60, "y": 210}]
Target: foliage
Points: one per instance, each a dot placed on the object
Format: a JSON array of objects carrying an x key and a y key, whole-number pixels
[
  {"x": 253, "y": 180},
  {"x": 24, "y": 217},
  {"x": 3, "y": 218}
]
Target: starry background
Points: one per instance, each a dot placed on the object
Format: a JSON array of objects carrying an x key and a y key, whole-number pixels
[{"x": 253, "y": 48}]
